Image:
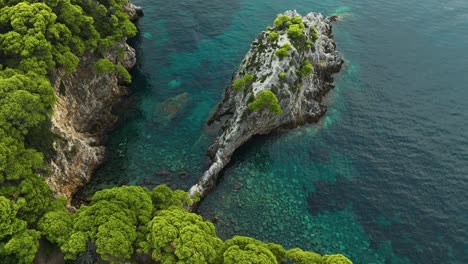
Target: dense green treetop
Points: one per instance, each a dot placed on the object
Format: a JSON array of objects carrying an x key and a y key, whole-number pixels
[{"x": 266, "y": 100}]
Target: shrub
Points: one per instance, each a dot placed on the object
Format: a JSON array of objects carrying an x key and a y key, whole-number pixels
[
  {"x": 266, "y": 100},
  {"x": 296, "y": 20},
  {"x": 273, "y": 36},
  {"x": 314, "y": 33},
  {"x": 104, "y": 66},
  {"x": 283, "y": 51},
  {"x": 306, "y": 69},
  {"x": 280, "y": 20},
  {"x": 241, "y": 84},
  {"x": 294, "y": 31},
  {"x": 123, "y": 74},
  {"x": 282, "y": 76}
]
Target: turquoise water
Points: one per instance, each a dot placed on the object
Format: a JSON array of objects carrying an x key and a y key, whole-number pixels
[{"x": 381, "y": 178}]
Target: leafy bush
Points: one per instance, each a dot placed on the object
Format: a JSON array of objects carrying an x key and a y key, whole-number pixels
[
  {"x": 314, "y": 33},
  {"x": 283, "y": 51},
  {"x": 266, "y": 99},
  {"x": 280, "y": 20},
  {"x": 306, "y": 69},
  {"x": 123, "y": 74},
  {"x": 273, "y": 36},
  {"x": 295, "y": 31},
  {"x": 104, "y": 66},
  {"x": 243, "y": 83},
  {"x": 296, "y": 20},
  {"x": 282, "y": 75}
]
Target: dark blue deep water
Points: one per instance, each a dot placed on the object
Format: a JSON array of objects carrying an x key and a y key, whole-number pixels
[{"x": 382, "y": 178}]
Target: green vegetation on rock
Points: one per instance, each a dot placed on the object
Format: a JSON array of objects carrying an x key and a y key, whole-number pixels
[
  {"x": 273, "y": 36},
  {"x": 282, "y": 76},
  {"x": 104, "y": 66},
  {"x": 306, "y": 69},
  {"x": 281, "y": 20},
  {"x": 283, "y": 51},
  {"x": 266, "y": 99},
  {"x": 240, "y": 84}
]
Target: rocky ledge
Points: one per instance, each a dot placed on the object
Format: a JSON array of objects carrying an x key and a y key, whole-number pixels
[
  {"x": 83, "y": 116},
  {"x": 279, "y": 85}
]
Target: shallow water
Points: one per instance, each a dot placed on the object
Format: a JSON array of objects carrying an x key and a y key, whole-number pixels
[{"x": 381, "y": 178}]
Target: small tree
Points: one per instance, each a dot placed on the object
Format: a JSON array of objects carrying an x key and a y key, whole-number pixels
[
  {"x": 280, "y": 20},
  {"x": 241, "y": 84},
  {"x": 273, "y": 36},
  {"x": 283, "y": 51},
  {"x": 266, "y": 99},
  {"x": 294, "y": 31},
  {"x": 306, "y": 69}
]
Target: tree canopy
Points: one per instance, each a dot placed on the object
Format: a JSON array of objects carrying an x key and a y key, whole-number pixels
[{"x": 266, "y": 99}]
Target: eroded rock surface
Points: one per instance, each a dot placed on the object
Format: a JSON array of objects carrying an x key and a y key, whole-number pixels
[
  {"x": 299, "y": 95},
  {"x": 82, "y": 117}
]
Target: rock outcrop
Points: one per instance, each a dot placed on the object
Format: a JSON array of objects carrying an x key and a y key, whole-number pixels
[
  {"x": 299, "y": 90},
  {"x": 133, "y": 11},
  {"x": 83, "y": 116}
]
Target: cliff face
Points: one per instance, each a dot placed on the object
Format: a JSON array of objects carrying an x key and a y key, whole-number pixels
[
  {"x": 298, "y": 95},
  {"x": 82, "y": 116}
]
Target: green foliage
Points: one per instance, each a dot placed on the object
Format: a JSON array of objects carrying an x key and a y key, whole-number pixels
[
  {"x": 295, "y": 31},
  {"x": 266, "y": 99},
  {"x": 113, "y": 221},
  {"x": 23, "y": 246},
  {"x": 240, "y": 249},
  {"x": 9, "y": 223},
  {"x": 104, "y": 66},
  {"x": 282, "y": 76},
  {"x": 56, "y": 226},
  {"x": 298, "y": 256},
  {"x": 38, "y": 197},
  {"x": 76, "y": 244},
  {"x": 250, "y": 254},
  {"x": 176, "y": 236},
  {"x": 336, "y": 259},
  {"x": 243, "y": 83},
  {"x": 296, "y": 20},
  {"x": 164, "y": 198},
  {"x": 281, "y": 20},
  {"x": 123, "y": 74},
  {"x": 306, "y": 69},
  {"x": 273, "y": 36},
  {"x": 314, "y": 33},
  {"x": 283, "y": 51}
]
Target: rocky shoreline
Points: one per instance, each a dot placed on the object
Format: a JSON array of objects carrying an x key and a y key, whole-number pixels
[
  {"x": 83, "y": 115},
  {"x": 277, "y": 63}
]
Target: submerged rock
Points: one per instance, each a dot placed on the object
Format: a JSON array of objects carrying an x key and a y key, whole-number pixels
[
  {"x": 278, "y": 64},
  {"x": 164, "y": 113}
]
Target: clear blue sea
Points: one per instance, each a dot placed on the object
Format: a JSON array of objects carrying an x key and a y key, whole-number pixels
[{"x": 382, "y": 178}]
